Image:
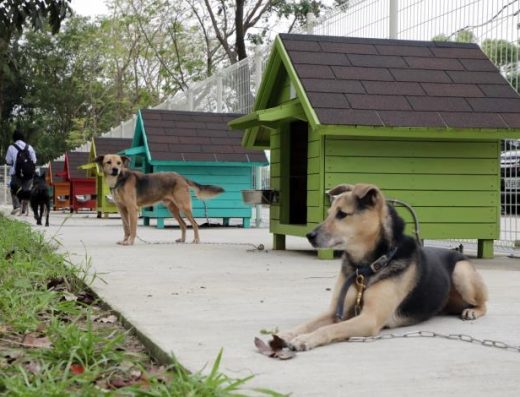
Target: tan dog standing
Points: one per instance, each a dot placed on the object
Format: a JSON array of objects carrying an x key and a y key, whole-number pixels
[
  {"x": 132, "y": 190},
  {"x": 403, "y": 283}
]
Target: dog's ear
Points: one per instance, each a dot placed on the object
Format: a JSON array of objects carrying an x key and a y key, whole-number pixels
[
  {"x": 336, "y": 191},
  {"x": 367, "y": 195},
  {"x": 99, "y": 160},
  {"x": 126, "y": 161}
]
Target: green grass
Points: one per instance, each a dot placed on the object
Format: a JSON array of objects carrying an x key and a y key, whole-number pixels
[{"x": 52, "y": 342}]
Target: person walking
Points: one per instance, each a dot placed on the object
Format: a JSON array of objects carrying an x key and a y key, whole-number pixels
[{"x": 21, "y": 157}]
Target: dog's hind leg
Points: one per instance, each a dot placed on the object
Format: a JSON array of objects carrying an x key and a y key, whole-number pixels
[
  {"x": 183, "y": 202},
  {"x": 177, "y": 215},
  {"x": 470, "y": 290},
  {"x": 47, "y": 210},
  {"x": 194, "y": 225}
]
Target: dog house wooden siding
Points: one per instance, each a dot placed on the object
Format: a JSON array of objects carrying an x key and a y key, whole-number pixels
[
  {"x": 60, "y": 187},
  {"x": 201, "y": 147},
  {"x": 82, "y": 186},
  {"x": 422, "y": 120},
  {"x": 101, "y": 146}
]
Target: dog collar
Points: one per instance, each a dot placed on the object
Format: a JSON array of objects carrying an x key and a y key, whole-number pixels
[{"x": 366, "y": 271}]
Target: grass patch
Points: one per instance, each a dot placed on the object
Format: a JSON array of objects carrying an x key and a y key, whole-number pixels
[{"x": 56, "y": 339}]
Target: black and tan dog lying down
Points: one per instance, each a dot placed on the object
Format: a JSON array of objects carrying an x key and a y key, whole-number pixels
[
  {"x": 402, "y": 283},
  {"x": 132, "y": 189}
]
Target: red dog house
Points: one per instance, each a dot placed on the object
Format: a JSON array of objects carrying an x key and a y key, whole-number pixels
[
  {"x": 60, "y": 187},
  {"x": 82, "y": 187}
]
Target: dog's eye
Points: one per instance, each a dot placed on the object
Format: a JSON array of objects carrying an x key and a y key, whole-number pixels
[
  {"x": 119, "y": 163},
  {"x": 109, "y": 162},
  {"x": 340, "y": 214}
]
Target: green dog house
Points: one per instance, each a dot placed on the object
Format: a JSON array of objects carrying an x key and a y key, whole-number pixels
[
  {"x": 421, "y": 120},
  {"x": 101, "y": 146},
  {"x": 201, "y": 147}
]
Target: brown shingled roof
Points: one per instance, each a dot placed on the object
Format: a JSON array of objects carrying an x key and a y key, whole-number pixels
[
  {"x": 111, "y": 145},
  {"x": 398, "y": 83},
  {"x": 74, "y": 161},
  {"x": 195, "y": 136}
]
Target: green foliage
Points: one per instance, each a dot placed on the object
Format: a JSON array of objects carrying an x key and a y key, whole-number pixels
[
  {"x": 72, "y": 355},
  {"x": 15, "y": 14}
]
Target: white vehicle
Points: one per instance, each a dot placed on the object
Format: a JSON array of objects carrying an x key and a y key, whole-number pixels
[{"x": 510, "y": 180}]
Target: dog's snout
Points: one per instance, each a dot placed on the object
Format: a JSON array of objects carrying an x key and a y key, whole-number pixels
[
  {"x": 115, "y": 171},
  {"x": 312, "y": 236}
]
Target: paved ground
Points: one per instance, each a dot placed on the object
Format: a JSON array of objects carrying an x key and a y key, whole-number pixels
[{"x": 193, "y": 300}]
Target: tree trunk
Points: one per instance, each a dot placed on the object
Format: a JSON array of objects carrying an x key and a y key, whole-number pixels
[{"x": 240, "y": 45}]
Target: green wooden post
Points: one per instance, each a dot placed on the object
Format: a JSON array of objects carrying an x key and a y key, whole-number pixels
[
  {"x": 485, "y": 249},
  {"x": 326, "y": 253},
  {"x": 160, "y": 223},
  {"x": 146, "y": 221},
  {"x": 279, "y": 242},
  {"x": 246, "y": 223}
]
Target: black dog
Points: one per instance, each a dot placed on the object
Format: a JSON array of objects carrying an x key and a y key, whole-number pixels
[{"x": 39, "y": 198}]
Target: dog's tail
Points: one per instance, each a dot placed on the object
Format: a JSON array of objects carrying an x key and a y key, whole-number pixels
[{"x": 205, "y": 192}]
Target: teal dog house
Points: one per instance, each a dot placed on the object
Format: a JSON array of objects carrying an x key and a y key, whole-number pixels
[
  {"x": 421, "y": 120},
  {"x": 201, "y": 147}
]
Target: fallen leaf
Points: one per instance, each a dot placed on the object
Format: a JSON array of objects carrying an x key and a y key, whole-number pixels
[
  {"x": 285, "y": 354},
  {"x": 77, "y": 369},
  {"x": 263, "y": 347},
  {"x": 136, "y": 374},
  {"x": 12, "y": 355},
  {"x": 33, "y": 367},
  {"x": 277, "y": 348},
  {"x": 30, "y": 340},
  {"x": 69, "y": 297},
  {"x": 55, "y": 282},
  {"x": 277, "y": 343},
  {"x": 107, "y": 320},
  {"x": 86, "y": 298},
  {"x": 118, "y": 383}
]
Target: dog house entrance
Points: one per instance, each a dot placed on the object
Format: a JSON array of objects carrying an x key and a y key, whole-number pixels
[{"x": 299, "y": 136}]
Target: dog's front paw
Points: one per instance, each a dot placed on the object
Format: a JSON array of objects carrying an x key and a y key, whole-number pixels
[
  {"x": 469, "y": 314},
  {"x": 302, "y": 343}
]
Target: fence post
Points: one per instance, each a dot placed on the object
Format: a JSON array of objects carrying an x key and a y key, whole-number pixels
[
  {"x": 258, "y": 171},
  {"x": 393, "y": 23},
  {"x": 190, "y": 99},
  {"x": 219, "y": 92}
]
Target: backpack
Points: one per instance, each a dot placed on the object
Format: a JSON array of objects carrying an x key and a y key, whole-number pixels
[{"x": 24, "y": 166}]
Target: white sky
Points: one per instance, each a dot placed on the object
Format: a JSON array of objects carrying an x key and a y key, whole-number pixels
[{"x": 89, "y": 8}]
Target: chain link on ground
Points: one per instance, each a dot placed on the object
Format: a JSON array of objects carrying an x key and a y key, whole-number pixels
[
  {"x": 432, "y": 334},
  {"x": 255, "y": 247}
]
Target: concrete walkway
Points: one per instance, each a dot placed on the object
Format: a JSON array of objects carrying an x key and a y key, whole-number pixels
[{"x": 193, "y": 300}]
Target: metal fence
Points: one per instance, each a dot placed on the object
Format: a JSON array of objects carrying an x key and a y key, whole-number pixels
[
  {"x": 493, "y": 24},
  {"x": 5, "y": 196}
]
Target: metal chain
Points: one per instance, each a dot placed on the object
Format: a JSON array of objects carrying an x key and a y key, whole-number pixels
[
  {"x": 259, "y": 247},
  {"x": 432, "y": 334}
]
